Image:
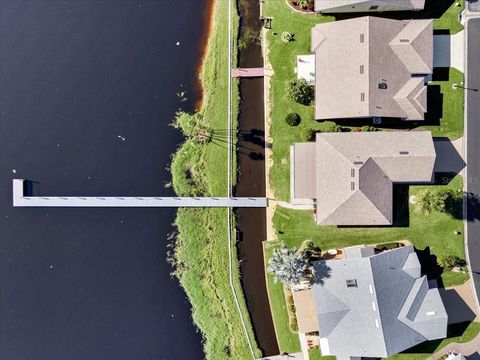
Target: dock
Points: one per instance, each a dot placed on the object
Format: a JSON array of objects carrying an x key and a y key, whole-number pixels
[
  {"x": 20, "y": 200},
  {"x": 248, "y": 72}
]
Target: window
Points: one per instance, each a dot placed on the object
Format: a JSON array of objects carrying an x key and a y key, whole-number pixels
[
  {"x": 362, "y": 38},
  {"x": 362, "y": 69},
  {"x": 362, "y": 96},
  {"x": 352, "y": 283},
  {"x": 373, "y": 7}
]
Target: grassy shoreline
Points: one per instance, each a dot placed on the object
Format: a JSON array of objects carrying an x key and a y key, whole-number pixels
[{"x": 201, "y": 249}]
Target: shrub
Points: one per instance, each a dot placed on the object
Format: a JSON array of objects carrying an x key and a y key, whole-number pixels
[
  {"x": 300, "y": 91},
  {"x": 447, "y": 261},
  {"x": 306, "y": 134},
  {"x": 431, "y": 201},
  {"x": 292, "y": 119},
  {"x": 368, "y": 128},
  {"x": 332, "y": 127},
  {"x": 287, "y": 37}
]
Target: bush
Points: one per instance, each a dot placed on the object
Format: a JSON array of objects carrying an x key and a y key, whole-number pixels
[
  {"x": 387, "y": 246},
  {"x": 300, "y": 91},
  {"x": 332, "y": 127},
  {"x": 306, "y": 134},
  {"x": 287, "y": 37},
  {"x": 368, "y": 128},
  {"x": 449, "y": 261},
  {"x": 292, "y": 119}
]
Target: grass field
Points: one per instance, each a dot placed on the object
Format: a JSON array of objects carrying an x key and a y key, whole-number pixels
[{"x": 201, "y": 251}]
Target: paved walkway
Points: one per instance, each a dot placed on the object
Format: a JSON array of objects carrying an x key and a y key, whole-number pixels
[
  {"x": 448, "y": 51},
  {"x": 288, "y": 205}
]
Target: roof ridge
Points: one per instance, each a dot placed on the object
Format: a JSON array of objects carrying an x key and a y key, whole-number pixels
[{"x": 380, "y": 320}]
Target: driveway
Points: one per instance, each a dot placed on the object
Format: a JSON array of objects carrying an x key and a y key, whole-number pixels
[
  {"x": 459, "y": 303},
  {"x": 448, "y": 50},
  {"x": 449, "y": 155}
]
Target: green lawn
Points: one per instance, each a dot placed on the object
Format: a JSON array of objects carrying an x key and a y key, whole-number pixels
[
  {"x": 451, "y": 122},
  {"x": 449, "y": 20},
  {"x": 201, "y": 249}
]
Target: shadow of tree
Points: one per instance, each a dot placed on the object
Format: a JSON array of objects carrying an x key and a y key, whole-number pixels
[
  {"x": 473, "y": 207},
  {"x": 321, "y": 272}
]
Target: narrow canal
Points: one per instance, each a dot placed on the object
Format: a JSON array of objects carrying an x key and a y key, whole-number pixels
[{"x": 251, "y": 179}]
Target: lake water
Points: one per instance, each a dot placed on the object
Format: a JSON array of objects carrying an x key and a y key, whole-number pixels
[{"x": 88, "y": 89}]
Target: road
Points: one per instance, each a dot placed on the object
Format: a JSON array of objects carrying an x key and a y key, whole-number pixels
[{"x": 473, "y": 149}]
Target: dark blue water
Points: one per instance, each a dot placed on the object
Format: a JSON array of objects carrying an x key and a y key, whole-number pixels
[{"x": 77, "y": 77}]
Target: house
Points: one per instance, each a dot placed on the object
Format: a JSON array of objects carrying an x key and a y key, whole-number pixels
[
  {"x": 350, "y": 176},
  {"x": 370, "y": 67},
  {"x": 375, "y": 305},
  {"x": 347, "y": 6}
]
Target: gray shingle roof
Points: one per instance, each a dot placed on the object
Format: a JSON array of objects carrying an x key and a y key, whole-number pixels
[
  {"x": 388, "y": 310},
  {"x": 353, "y": 173},
  {"x": 364, "y": 67}
]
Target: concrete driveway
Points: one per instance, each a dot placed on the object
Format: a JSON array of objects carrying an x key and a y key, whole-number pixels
[
  {"x": 448, "y": 50},
  {"x": 449, "y": 155}
]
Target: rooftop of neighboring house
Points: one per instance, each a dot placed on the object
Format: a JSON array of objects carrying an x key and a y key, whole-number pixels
[
  {"x": 372, "y": 67},
  {"x": 351, "y": 175},
  {"x": 375, "y": 305},
  {"x": 367, "y": 5}
]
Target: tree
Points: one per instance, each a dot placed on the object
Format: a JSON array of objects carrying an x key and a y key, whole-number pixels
[
  {"x": 289, "y": 267},
  {"x": 447, "y": 261},
  {"x": 292, "y": 119},
  {"x": 299, "y": 91},
  {"x": 430, "y": 201}
]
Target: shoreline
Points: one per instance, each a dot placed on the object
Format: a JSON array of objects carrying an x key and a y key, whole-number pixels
[{"x": 208, "y": 20}]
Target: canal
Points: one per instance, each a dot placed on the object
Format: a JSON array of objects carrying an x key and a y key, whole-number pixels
[
  {"x": 88, "y": 89},
  {"x": 251, "y": 223}
]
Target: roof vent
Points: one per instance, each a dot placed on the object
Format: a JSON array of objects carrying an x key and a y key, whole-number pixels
[
  {"x": 362, "y": 96},
  {"x": 351, "y": 283},
  {"x": 362, "y": 69},
  {"x": 362, "y": 38},
  {"x": 358, "y": 162},
  {"x": 405, "y": 40},
  {"x": 403, "y": 152},
  {"x": 352, "y": 185},
  {"x": 382, "y": 85},
  {"x": 352, "y": 172}
]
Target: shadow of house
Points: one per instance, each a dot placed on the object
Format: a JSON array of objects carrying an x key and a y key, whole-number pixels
[
  {"x": 429, "y": 347},
  {"x": 401, "y": 211},
  {"x": 433, "y": 9},
  {"x": 429, "y": 265},
  {"x": 475, "y": 356},
  {"x": 457, "y": 309},
  {"x": 448, "y": 159},
  {"x": 434, "y": 106}
]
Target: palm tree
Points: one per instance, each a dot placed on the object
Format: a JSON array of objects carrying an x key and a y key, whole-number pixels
[{"x": 289, "y": 267}]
